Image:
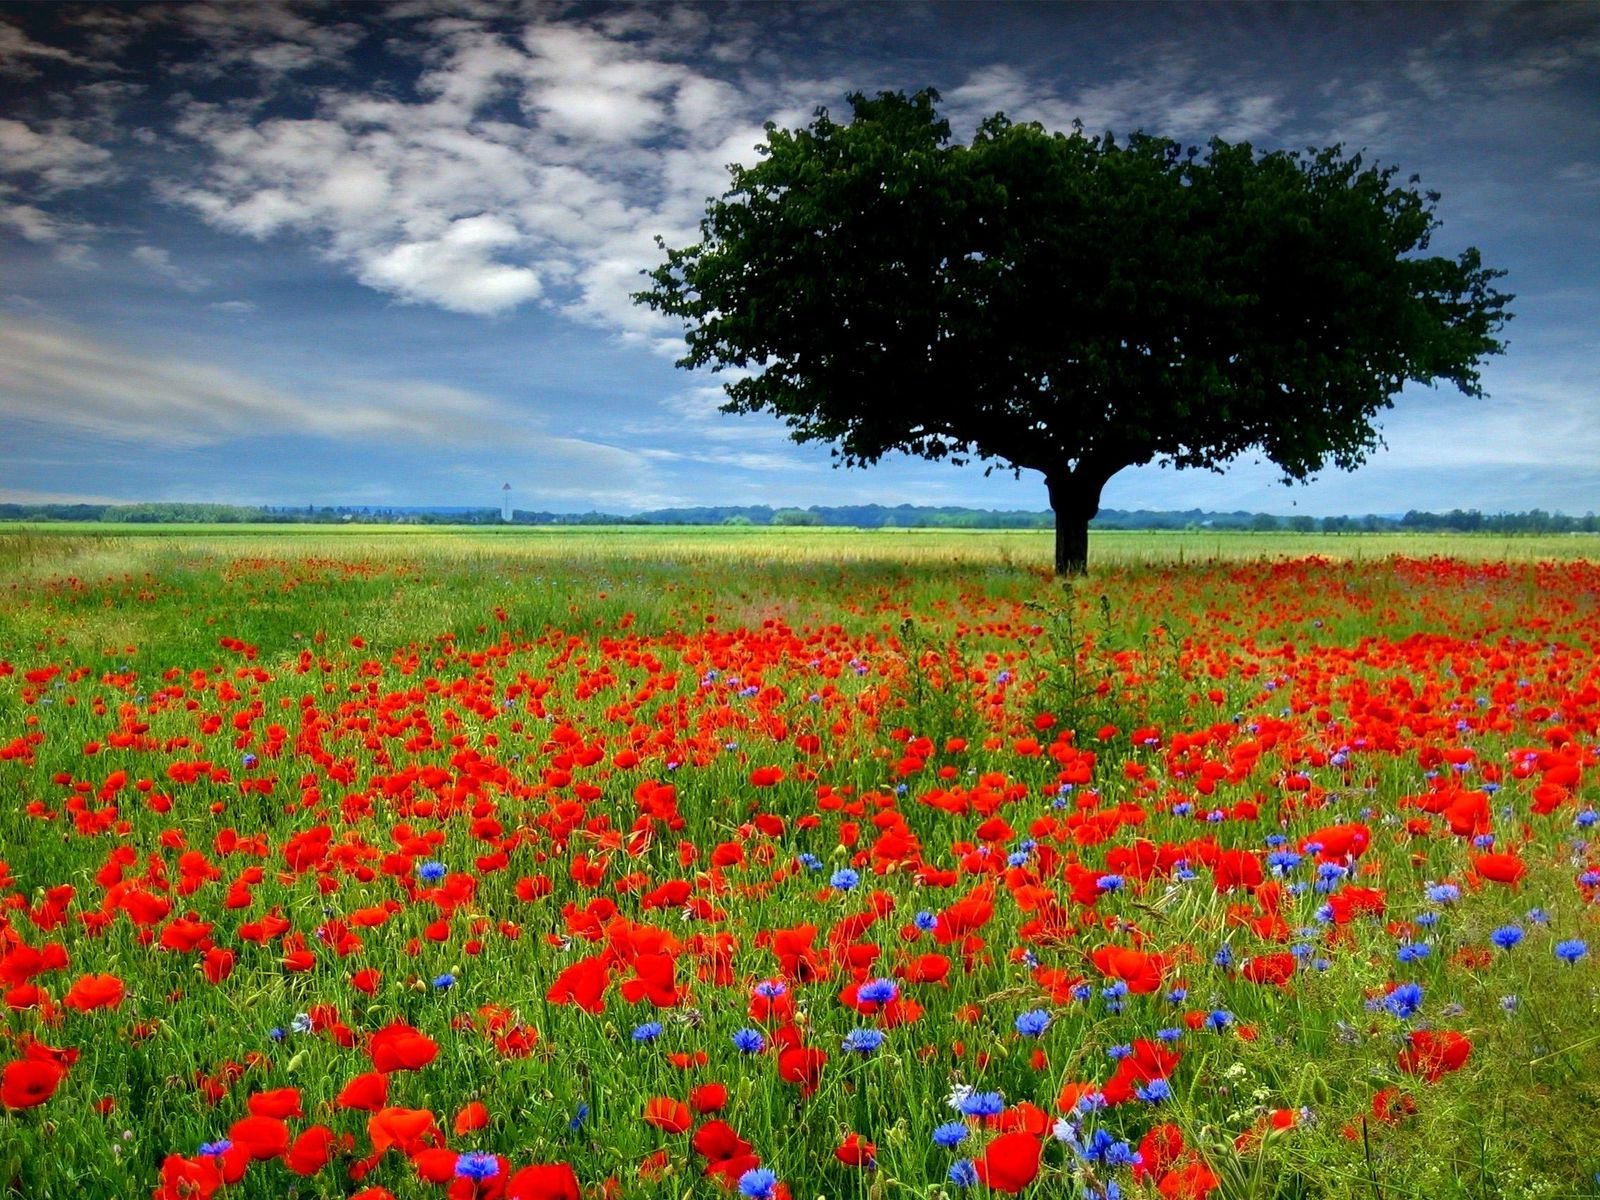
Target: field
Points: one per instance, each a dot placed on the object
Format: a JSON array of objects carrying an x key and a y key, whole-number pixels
[{"x": 625, "y": 863}]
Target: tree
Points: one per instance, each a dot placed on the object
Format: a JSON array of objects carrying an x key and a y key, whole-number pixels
[{"x": 1069, "y": 304}]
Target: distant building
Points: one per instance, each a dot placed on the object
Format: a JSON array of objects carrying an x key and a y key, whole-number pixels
[{"x": 505, "y": 503}]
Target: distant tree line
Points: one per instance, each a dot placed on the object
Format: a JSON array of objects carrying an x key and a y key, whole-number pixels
[{"x": 860, "y": 516}]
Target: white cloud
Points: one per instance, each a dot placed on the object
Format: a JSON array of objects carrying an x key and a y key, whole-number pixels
[
  {"x": 16, "y": 48},
  {"x": 60, "y": 377},
  {"x": 56, "y": 158},
  {"x": 444, "y": 200},
  {"x": 159, "y": 261}
]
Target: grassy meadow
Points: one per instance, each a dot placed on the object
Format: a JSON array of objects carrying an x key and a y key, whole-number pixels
[{"x": 630, "y": 862}]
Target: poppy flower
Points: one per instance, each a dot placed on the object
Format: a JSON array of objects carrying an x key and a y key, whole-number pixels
[
  {"x": 90, "y": 992},
  {"x": 399, "y": 1047},
  {"x": 666, "y": 1113},
  {"x": 544, "y": 1181},
  {"x": 366, "y": 1093},
  {"x": 1432, "y": 1054},
  {"x": 29, "y": 1082},
  {"x": 802, "y": 1065},
  {"x": 1010, "y": 1162},
  {"x": 856, "y": 1151}
]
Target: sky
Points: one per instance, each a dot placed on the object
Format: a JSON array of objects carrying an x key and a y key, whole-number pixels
[{"x": 381, "y": 254}]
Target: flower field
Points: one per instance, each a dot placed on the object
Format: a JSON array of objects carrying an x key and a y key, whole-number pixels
[{"x": 389, "y": 873}]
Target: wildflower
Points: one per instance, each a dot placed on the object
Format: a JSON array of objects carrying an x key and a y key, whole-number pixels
[
  {"x": 1033, "y": 1023},
  {"x": 1154, "y": 1092},
  {"x": 1219, "y": 1019},
  {"x": 578, "y": 1118},
  {"x": 770, "y": 989},
  {"x": 925, "y": 921},
  {"x": 749, "y": 1041},
  {"x": 1571, "y": 950},
  {"x": 981, "y": 1104},
  {"x": 301, "y": 1023},
  {"x": 758, "y": 1183},
  {"x": 863, "y": 1041},
  {"x": 1118, "y": 1053},
  {"x": 1442, "y": 893},
  {"x": 477, "y": 1165},
  {"x": 1506, "y": 936},
  {"x": 432, "y": 872},
  {"x": 844, "y": 879},
  {"x": 950, "y": 1135},
  {"x": 878, "y": 991},
  {"x": 1411, "y": 952},
  {"x": 1404, "y": 1001},
  {"x": 1169, "y": 1034},
  {"x": 215, "y": 1149},
  {"x": 648, "y": 1032},
  {"x": 963, "y": 1173},
  {"x": 1109, "y": 883},
  {"x": 443, "y": 983}
]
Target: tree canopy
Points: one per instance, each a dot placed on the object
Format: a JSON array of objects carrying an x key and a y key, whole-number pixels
[{"x": 1071, "y": 304}]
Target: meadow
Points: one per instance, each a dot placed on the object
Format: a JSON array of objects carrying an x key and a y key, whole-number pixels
[{"x": 769, "y": 864}]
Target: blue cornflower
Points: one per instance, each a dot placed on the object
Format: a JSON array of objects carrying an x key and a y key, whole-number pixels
[
  {"x": 1404, "y": 1001},
  {"x": 1017, "y": 858},
  {"x": 1507, "y": 936},
  {"x": 758, "y": 1183},
  {"x": 810, "y": 862},
  {"x": 749, "y": 1041},
  {"x": 1118, "y": 1053},
  {"x": 981, "y": 1104},
  {"x": 925, "y": 921},
  {"x": 1571, "y": 950},
  {"x": 878, "y": 991},
  {"x": 963, "y": 1173},
  {"x": 301, "y": 1023},
  {"x": 1154, "y": 1092},
  {"x": 648, "y": 1032},
  {"x": 1109, "y": 883},
  {"x": 1033, "y": 1022},
  {"x": 216, "y": 1149},
  {"x": 1586, "y": 818},
  {"x": 475, "y": 1165},
  {"x": 578, "y": 1118},
  {"x": 1442, "y": 893},
  {"x": 277, "y": 1033},
  {"x": 1224, "y": 956},
  {"x": 844, "y": 879},
  {"x": 1410, "y": 952},
  {"x": 1177, "y": 995},
  {"x": 443, "y": 983},
  {"x": 1219, "y": 1019},
  {"x": 432, "y": 872},
  {"x": 1170, "y": 1034},
  {"x": 1538, "y": 916},
  {"x": 1282, "y": 861},
  {"x": 1081, "y": 991},
  {"x": 863, "y": 1041},
  {"x": 950, "y": 1135},
  {"x": 770, "y": 989},
  {"x": 249, "y": 761}
]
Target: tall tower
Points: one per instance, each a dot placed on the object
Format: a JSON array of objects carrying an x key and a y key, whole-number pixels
[{"x": 505, "y": 503}]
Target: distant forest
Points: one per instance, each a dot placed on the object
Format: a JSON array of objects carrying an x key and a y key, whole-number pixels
[{"x": 860, "y": 516}]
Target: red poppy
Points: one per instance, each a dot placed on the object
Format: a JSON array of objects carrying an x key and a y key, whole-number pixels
[
  {"x": 399, "y": 1047},
  {"x": 1010, "y": 1162},
  {"x": 802, "y": 1065},
  {"x": 544, "y": 1181},
  {"x": 366, "y": 1093},
  {"x": 29, "y": 1082},
  {"x": 856, "y": 1151},
  {"x": 1432, "y": 1054},
  {"x": 666, "y": 1113},
  {"x": 90, "y": 992}
]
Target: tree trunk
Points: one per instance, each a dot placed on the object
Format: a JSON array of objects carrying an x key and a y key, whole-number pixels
[{"x": 1075, "y": 499}]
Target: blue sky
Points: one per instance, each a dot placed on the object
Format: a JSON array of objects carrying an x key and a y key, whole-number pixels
[{"x": 381, "y": 253}]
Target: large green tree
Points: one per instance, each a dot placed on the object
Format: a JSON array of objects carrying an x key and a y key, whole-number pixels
[{"x": 1070, "y": 304}]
